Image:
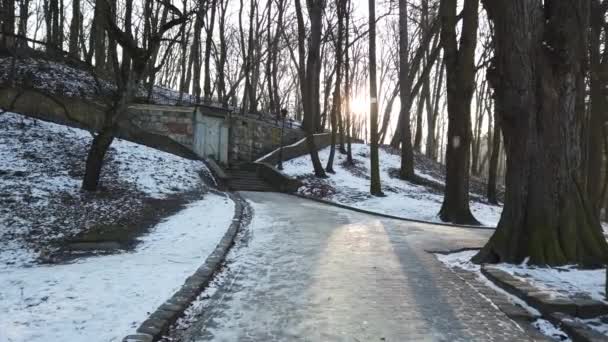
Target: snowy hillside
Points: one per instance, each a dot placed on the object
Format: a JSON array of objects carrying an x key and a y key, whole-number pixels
[
  {"x": 350, "y": 186},
  {"x": 41, "y": 169},
  {"x": 105, "y": 298},
  {"x": 73, "y": 80}
]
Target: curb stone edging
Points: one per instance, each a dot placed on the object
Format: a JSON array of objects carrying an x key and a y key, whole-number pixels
[
  {"x": 558, "y": 311},
  {"x": 158, "y": 323},
  {"x": 343, "y": 206},
  {"x": 578, "y": 331}
]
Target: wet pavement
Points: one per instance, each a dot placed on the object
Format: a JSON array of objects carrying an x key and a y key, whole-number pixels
[{"x": 305, "y": 271}]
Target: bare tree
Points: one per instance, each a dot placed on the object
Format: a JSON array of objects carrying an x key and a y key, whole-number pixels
[
  {"x": 460, "y": 71},
  {"x": 127, "y": 81},
  {"x": 337, "y": 98},
  {"x": 309, "y": 74},
  {"x": 375, "y": 187}
]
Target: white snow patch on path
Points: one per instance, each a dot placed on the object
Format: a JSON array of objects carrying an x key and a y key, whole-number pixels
[{"x": 104, "y": 298}]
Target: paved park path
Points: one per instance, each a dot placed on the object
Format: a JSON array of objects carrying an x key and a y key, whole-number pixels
[{"x": 309, "y": 272}]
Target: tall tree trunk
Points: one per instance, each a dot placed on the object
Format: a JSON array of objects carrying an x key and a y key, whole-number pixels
[
  {"x": 74, "y": 29},
  {"x": 479, "y": 114},
  {"x": 538, "y": 78},
  {"x": 195, "y": 51},
  {"x": 598, "y": 107},
  {"x": 388, "y": 111},
  {"x": 347, "y": 82},
  {"x": 24, "y": 7},
  {"x": 375, "y": 187},
  {"x": 275, "y": 49},
  {"x": 407, "y": 154},
  {"x": 460, "y": 72},
  {"x": 493, "y": 168},
  {"x": 431, "y": 140},
  {"x": 98, "y": 36},
  {"x": 7, "y": 19},
  {"x": 419, "y": 111},
  {"x": 310, "y": 88},
  {"x": 337, "y": 98},
  {"x": 270, "y": 62},
  {"x": 208, "y": 43},
  {"x": 221, "y": 63}
]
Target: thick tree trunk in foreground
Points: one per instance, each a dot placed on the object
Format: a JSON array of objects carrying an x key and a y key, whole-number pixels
[
  {"x": 375, "y": 187},
  {"x": 539, "y": 85},
  {"x": 460, "y": 72}
]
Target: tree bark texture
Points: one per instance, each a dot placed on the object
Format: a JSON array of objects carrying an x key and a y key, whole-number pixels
[{"x": 538, "y": 78}]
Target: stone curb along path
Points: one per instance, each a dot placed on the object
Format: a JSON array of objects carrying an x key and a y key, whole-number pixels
[
  {"x": 343, "y": 206},
  {"x": 158, "y": 323},
  {"x": 560, "y": 312}
]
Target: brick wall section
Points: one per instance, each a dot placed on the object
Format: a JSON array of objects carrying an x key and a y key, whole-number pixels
[{"x": 173, "y": 122}]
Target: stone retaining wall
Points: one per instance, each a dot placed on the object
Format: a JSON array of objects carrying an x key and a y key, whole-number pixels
[
  {"x": 168, "y": 128},
  {"x": 251, "y": 138},
  {"x": 171, "y": 121}
]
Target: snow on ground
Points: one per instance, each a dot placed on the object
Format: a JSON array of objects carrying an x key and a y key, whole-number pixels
[
  {"x": 462, "y": 260},
  {"x": 41, "y": 169},
  {"x": 548, "y": 329},
  {"x": 350, "y": 186},
  {"x": 105, "y": 298},
  {"x": 564, "y": 281},
  {"x": 74, "y": 80}
]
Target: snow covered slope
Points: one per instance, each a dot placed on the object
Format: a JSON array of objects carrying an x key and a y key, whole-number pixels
[
  {"x": 98, "y": 297},
  {"x": 104, "y": 298},
  {"x": 350, "y": 186},
  {"x": 41, "y": 169}
]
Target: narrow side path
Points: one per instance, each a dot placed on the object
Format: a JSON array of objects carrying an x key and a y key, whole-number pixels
[{"x": 311, "y": 272}]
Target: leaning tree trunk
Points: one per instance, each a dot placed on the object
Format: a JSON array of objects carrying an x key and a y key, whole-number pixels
[
  {"x": 460, "y": 72},
  {"x": 97, "y": 152},
  {"x": 538, "y": 79}
]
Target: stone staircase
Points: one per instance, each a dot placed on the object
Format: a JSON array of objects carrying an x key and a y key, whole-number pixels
[{"x": 245, "y": 179}]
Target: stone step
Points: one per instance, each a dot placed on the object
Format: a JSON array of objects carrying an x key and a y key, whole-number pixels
[
  {"x": 251, "y": 188},
  {"x": 246, "y": 180}
]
